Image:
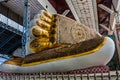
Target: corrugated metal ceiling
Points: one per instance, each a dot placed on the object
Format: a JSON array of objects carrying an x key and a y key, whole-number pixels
[{"x": 18, "y": 6}]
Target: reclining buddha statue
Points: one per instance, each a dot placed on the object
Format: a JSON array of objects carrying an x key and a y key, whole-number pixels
[{"x": 58, "y": 43}]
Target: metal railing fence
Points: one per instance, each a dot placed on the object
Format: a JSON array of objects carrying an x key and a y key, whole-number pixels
[{"x": 112, "y": 75}]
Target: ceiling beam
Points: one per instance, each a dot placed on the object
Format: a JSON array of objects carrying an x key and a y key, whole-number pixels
[
  {"x": 66, "y": 12},
  {"x": 94, "y": 2},
  {"x": 10, "y": 25},
  {"x": 113, "y": 16},
  {"x": 46, "y": 4},
  {"x": 106, "y": 8},
  {"x": 70, "y": 4},
  {"x": 92, "y": 12},
  {"x": 105, "y": 27}
]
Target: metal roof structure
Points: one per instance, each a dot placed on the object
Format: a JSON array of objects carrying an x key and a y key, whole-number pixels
[
  {"x": 18, "y": 6},
  {"x": 11, "y": 31}
]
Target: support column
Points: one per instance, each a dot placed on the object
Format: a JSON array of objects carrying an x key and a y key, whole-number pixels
[
  {"x": 117, "y": 44},
  {"x": 25, "y": 36}
]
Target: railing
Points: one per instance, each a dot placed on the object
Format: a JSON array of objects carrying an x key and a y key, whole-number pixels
[
  {"x": 43, "y": 76},
  {"x": 10, "y": 24},
  {"x": 70, "y": 75}
]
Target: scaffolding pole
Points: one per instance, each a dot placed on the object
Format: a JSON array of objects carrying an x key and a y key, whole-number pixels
[{"x": 25, "y": 36}]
